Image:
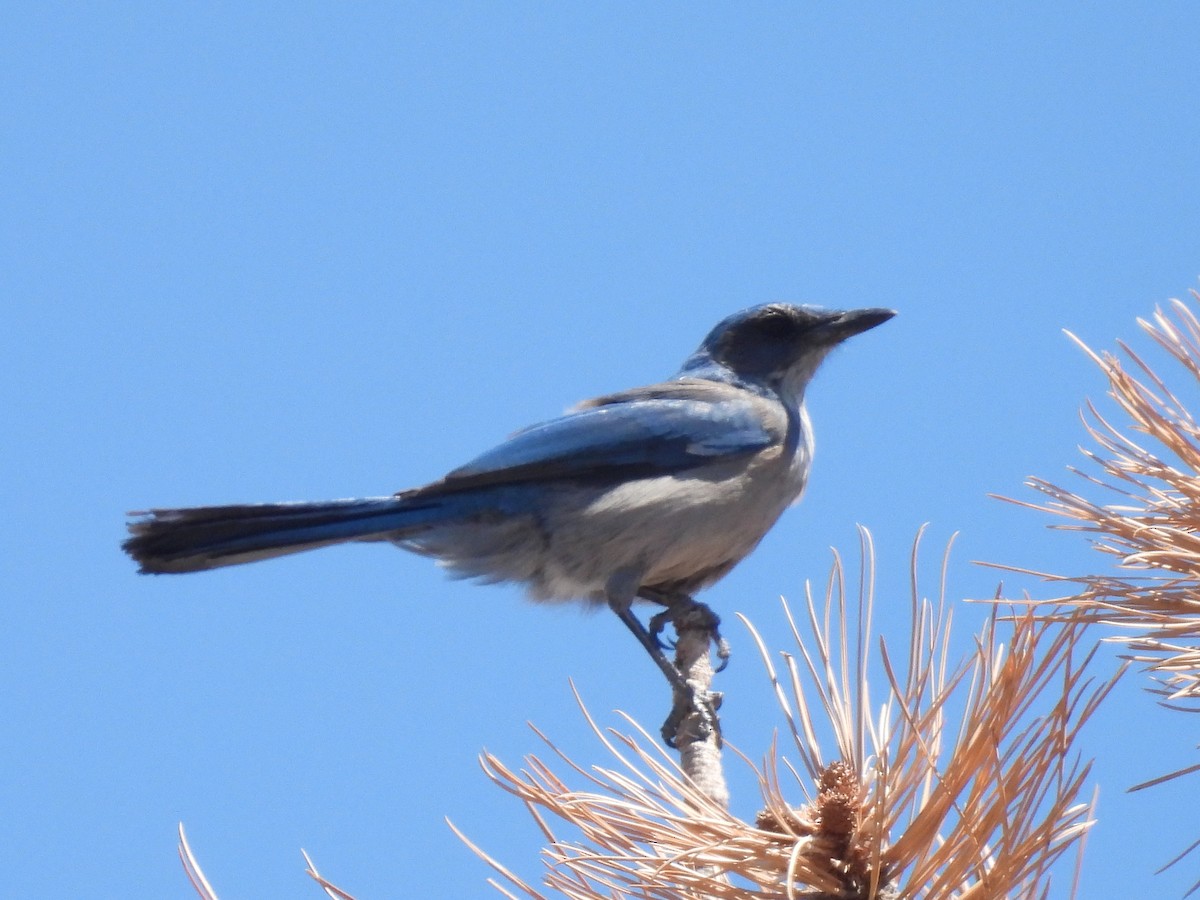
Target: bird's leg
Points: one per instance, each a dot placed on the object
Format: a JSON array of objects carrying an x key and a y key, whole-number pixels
[
  {"x": 620, "y": 591},
  {"x": 621, "y": 602},
  {"x": 696, "y": 627}
]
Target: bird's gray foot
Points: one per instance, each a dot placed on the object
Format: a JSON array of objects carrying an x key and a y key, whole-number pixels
[
  {"x": 700, "y": 705},
  {"x": 682, "y": 604}
]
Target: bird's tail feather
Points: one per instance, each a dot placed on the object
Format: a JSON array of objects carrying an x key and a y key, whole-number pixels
[{"x": 208, "y": 537}]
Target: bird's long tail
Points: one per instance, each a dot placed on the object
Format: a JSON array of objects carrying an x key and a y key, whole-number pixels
[{"x": 208, "y": 537}]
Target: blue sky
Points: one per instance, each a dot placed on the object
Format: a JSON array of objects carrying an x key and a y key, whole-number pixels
[{"x": 298, "y": 251}]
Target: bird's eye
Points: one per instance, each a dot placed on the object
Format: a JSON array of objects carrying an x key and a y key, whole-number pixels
[{"x": 775, "y": 324}]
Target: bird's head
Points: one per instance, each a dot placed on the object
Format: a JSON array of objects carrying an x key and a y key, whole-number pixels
[{"x": 777, "y": 346}]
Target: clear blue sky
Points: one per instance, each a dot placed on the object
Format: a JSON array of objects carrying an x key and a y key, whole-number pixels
[{"x": 299, "y": 251}]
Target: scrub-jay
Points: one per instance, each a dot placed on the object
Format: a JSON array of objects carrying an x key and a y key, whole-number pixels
[{"x": 652, "y": 493}]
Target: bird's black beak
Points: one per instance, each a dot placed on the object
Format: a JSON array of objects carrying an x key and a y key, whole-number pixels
[{"x": 845, "y": 325}]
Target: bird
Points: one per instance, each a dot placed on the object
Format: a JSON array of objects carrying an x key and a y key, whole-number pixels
[{"x": 653, "y": 493}]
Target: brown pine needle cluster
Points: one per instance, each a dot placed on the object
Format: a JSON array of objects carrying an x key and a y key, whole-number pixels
[
  {"x": 1149, "y": 475},
  {"x": 937, "y": 781}
]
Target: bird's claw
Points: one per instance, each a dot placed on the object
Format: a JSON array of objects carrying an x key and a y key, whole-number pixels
[
  {"x": 723, "y": 651},
  {"x": 657, "y": 625},
  {"x": 702, "y": 710}
]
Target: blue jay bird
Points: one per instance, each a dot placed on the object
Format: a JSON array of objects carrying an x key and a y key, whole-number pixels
[{"x": 651, "y": 493}]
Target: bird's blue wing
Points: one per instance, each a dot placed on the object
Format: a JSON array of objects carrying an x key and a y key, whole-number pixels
[{"x": 634, "y": 438}]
